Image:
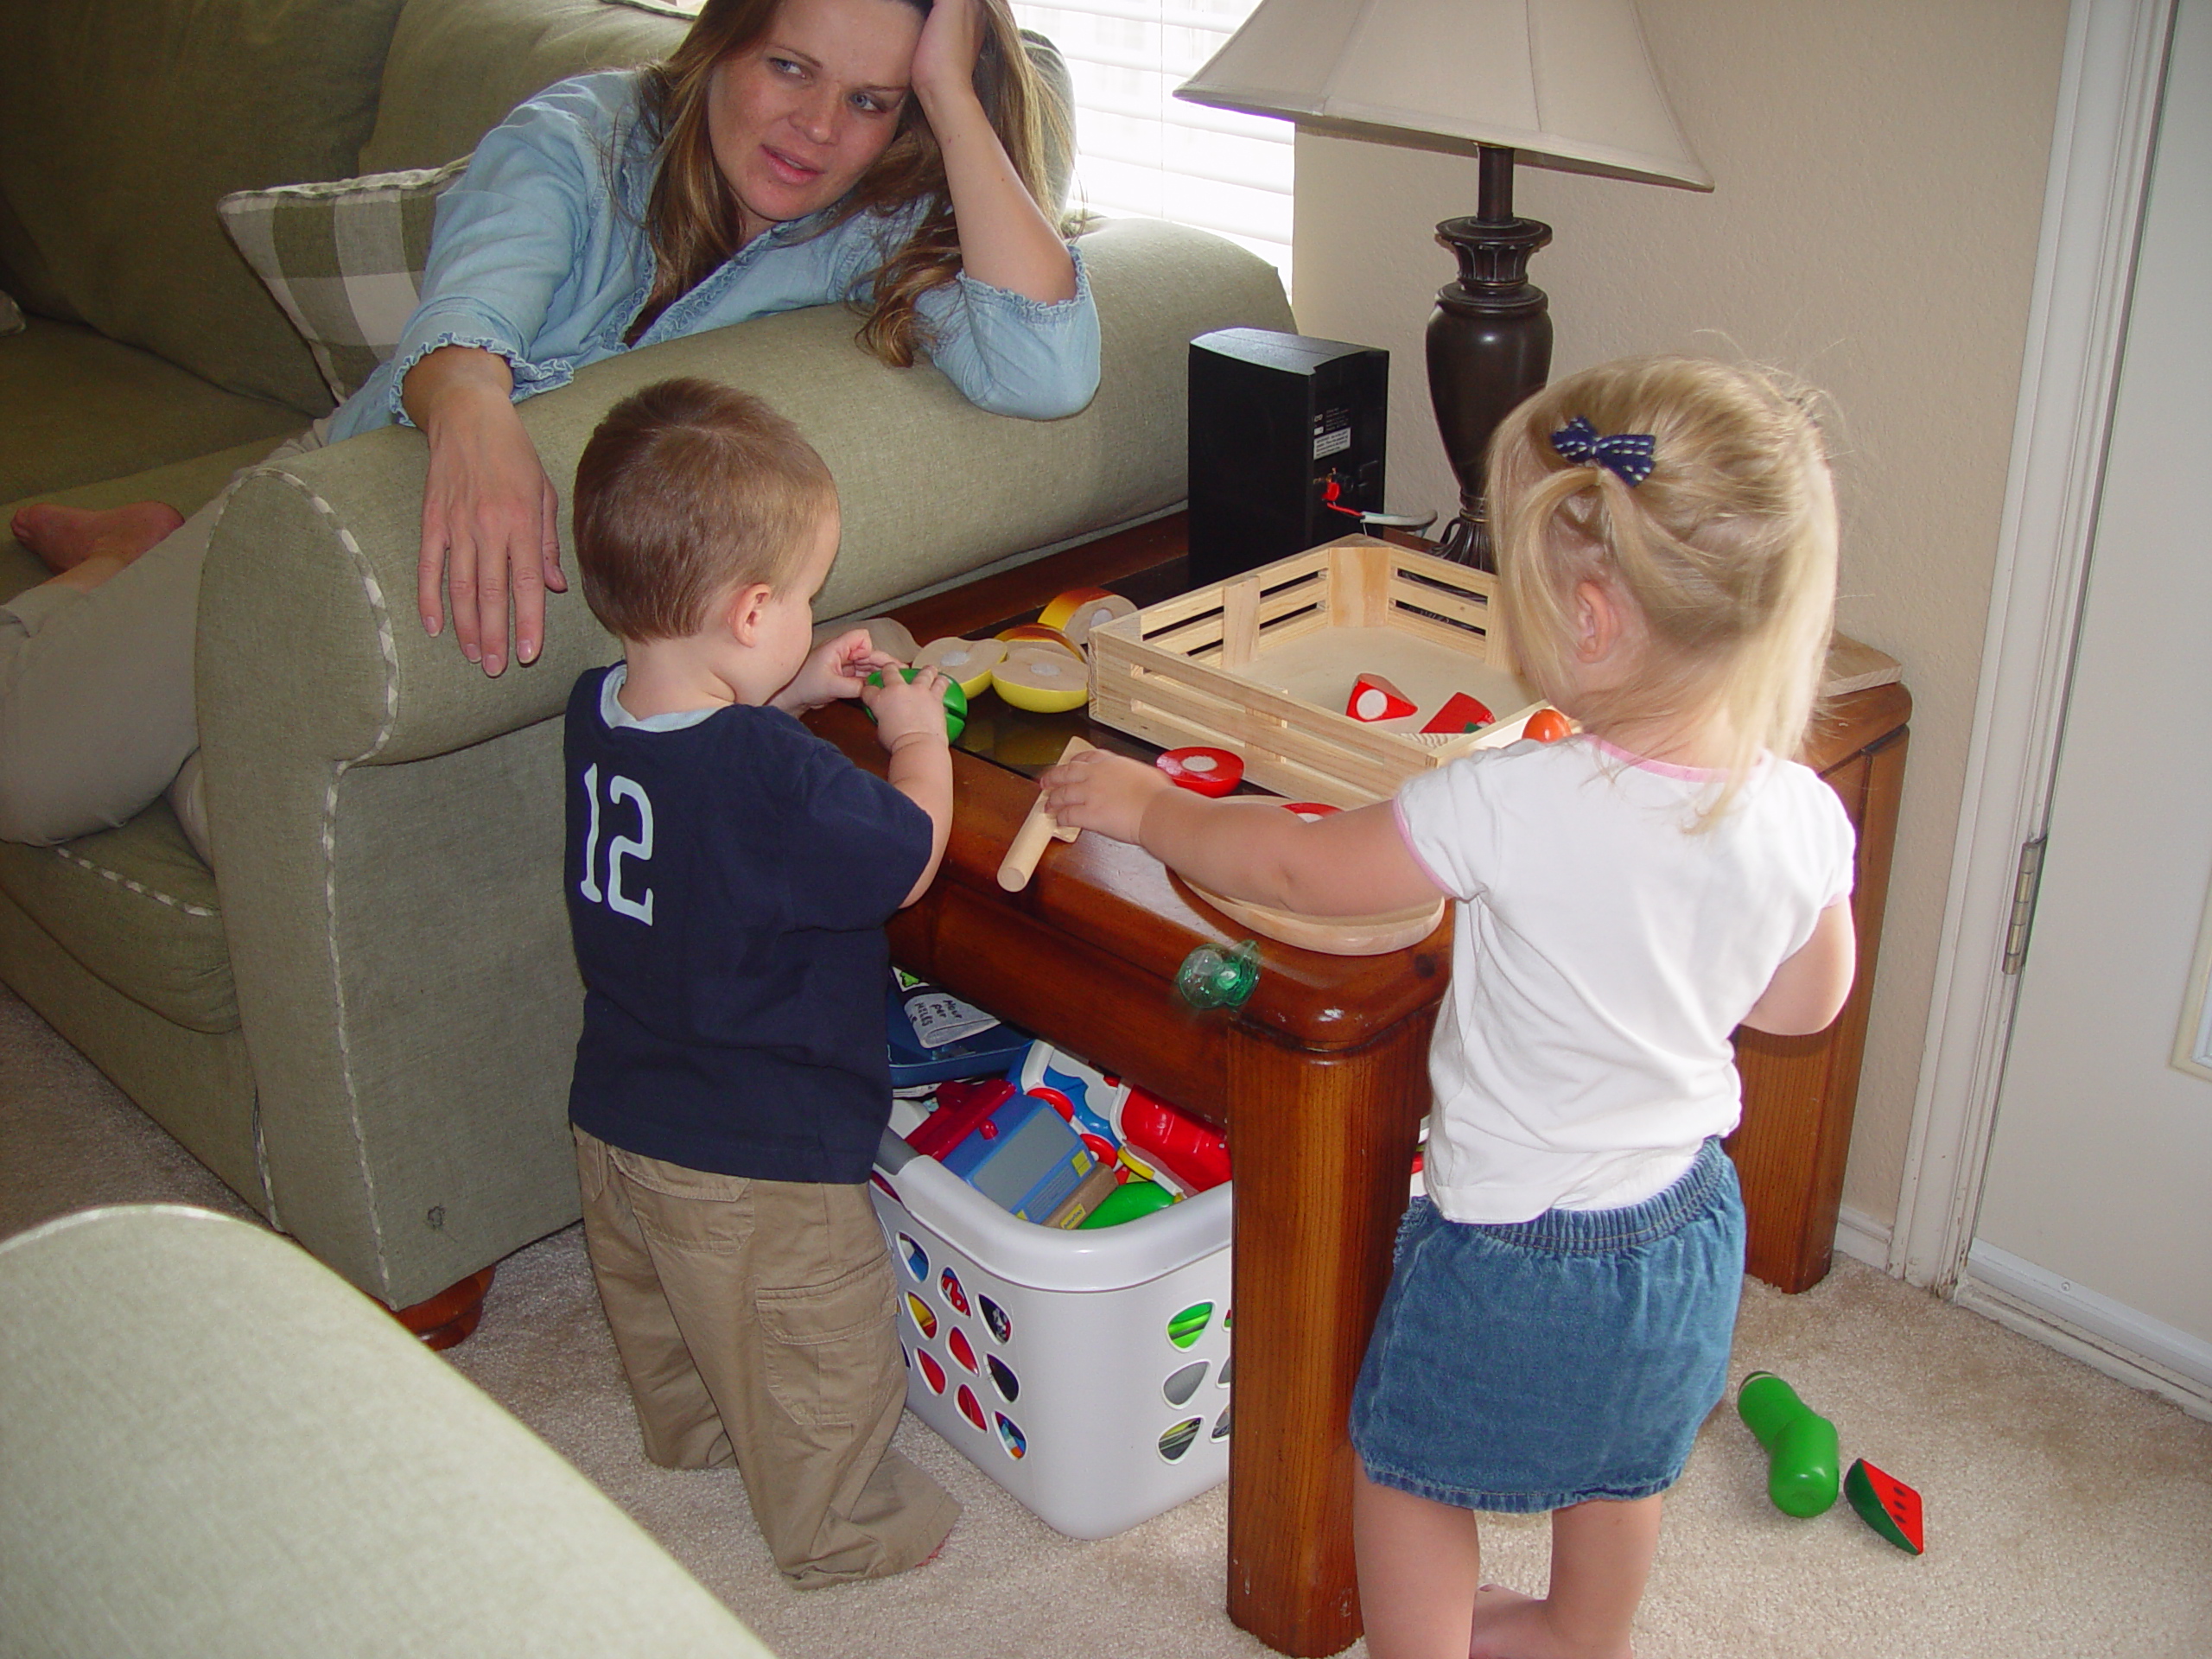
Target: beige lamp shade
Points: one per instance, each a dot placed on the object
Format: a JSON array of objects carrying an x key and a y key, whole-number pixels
[{"x": 1564, "y": 83}]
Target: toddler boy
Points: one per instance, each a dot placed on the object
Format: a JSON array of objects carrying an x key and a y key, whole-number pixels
[{"x": 728, "y": 876}]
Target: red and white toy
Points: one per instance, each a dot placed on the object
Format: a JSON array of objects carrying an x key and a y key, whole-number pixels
[
  {"x": 1205, "y": 771},
  {"x": 1375, "y": 698}
]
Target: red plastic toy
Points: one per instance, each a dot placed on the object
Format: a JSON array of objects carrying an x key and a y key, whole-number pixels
[{"x": 1173, "y": 1143}]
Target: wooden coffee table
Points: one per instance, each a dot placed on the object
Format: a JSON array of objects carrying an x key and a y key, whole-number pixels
[{"x": 1321, "y": 1079}]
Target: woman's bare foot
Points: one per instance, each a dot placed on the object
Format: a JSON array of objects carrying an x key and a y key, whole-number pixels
[
  {"x": 1510, "y": 1625},
  {"x": 64, "y": 538}
]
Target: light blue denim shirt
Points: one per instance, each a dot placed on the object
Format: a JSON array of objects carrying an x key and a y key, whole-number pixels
[{"x": 539, "y": 255}]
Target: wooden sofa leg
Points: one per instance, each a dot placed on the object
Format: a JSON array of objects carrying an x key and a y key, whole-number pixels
[{"x": 449, "y": 1316}]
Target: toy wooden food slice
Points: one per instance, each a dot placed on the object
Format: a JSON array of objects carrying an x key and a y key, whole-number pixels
[
  {"x": 1460, "y": 713},
  {"x": 1885, "y": 1503},
  {"x": 1038, "y": 634},
  {"x": 1375, "y": 698},
  {"x": 1044, "y": 679},
  {"x": 1203, "y": 771},
  {"x": 1039, "y": 827},
  {"x": 967, "y": 661},
  {"x": 1079, "y": 610}
]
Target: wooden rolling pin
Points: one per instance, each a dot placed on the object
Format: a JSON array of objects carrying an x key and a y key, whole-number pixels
[{"x": 1039, "y": 827}]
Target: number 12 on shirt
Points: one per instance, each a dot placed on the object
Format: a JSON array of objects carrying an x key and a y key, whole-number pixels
[{"x": 639, "y": 848}]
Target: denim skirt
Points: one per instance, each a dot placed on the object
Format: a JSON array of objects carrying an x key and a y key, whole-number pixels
[{"x": 1524, "y": 1367}]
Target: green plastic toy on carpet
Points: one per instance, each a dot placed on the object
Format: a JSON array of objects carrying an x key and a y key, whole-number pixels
[{"x": 1801, "y": 1445}]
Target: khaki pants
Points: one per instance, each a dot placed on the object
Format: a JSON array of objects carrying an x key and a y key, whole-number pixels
[
  {"x": 96, "y": 711},
  {"x": 754, "y": 1322}
]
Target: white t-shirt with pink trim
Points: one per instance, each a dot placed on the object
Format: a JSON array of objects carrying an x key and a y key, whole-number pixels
[{"x": 1604, "y": 950}]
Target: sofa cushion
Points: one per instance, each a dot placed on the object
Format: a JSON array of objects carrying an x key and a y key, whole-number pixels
[
  {"x": 457, "y": 66},
  {"x": 80, "y": 408},
  {"x": 136, "y": 907},
  {"x": 345, "y": 260},
  {"x": 122, "y": 123}
]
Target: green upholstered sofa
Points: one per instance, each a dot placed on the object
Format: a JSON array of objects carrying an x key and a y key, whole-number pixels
[
  {"x": 362, "y": 1019},
  {"x": 240, "y": 1456}
]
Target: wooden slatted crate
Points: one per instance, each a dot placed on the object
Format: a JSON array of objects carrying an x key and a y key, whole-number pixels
[{"x": 1262, "y": 665}]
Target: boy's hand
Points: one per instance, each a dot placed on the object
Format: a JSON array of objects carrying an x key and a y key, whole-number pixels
[
  {"x": 836, "y": 669},
  {"x": 907, "y": 708},
  {"x": 1105, "y": 793}
]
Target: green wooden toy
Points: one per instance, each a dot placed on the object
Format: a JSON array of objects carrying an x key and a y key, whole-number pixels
[
  {"x": 956, "y": 703},
  {"x": 1802, "y": 1475}
]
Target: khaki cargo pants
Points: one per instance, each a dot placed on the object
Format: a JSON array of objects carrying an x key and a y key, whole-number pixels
[{"x": 755, "y": 1323}]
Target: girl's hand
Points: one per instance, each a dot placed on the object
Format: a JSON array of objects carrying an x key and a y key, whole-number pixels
[
  {"x": 836, "y": 668},
  {"x": 490, "y": 515},
  {"x": 907, "y": 710},
  {"x": 1105, "y": 793}
]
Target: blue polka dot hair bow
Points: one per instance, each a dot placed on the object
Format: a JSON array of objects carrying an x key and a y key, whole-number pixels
[{"x": 1627, "y": 454}]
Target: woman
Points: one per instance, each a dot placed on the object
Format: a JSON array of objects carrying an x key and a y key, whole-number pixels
[{"x": 789, "y": 153}]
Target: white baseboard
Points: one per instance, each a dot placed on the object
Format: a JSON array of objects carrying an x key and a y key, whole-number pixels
[
  {"x": 2114, "y": 1337},
  {"x": 1862, "y": 1238}
]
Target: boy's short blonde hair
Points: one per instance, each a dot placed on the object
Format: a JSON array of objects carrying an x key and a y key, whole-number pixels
[
  {"x": 687, "y": 490},
  {"x": 1727, "y": 547}
]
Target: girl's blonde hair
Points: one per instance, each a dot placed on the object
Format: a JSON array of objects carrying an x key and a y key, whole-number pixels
[
  {"x": 691, "y": 218},
  {"x": 1727, "y": 549}
]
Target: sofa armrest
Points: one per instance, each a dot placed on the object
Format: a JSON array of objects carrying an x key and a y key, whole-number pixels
[
  {"x": 386, "y": 821},
  {"x": 240, "y": 1456}
]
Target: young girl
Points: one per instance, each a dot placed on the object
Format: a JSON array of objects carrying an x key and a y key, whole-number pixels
[{"x": 1557, "y": 1326}]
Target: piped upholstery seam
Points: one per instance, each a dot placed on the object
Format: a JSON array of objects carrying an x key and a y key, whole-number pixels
[
  {"x": 127, "y": 882},
  {"x": 374, "y": 592}
]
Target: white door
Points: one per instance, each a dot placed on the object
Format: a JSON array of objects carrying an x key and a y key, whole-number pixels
[{"x": 2097, "y": 1204}]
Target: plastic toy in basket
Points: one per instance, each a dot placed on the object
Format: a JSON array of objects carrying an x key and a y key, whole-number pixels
[
  {"x": 1012, "y": 1148},
  {"x": 1092, "y": 1096},
  {"x": 1102, "y": 1395}
]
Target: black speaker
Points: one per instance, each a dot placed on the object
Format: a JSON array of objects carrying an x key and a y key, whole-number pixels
[{"x": 1286, "y": 445}]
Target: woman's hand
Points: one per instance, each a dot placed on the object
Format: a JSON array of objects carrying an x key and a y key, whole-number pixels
[
  {"x": 1005, "y": 238},
  {"x": 490, "y": 515},
  {"x": 836, "y": 668}
]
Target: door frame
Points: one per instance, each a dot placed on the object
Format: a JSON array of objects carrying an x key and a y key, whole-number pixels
[{"x": 2101, "y": 146}]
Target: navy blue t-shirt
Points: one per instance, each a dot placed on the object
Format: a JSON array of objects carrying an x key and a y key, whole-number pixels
[{"x": 728, "y": 885}]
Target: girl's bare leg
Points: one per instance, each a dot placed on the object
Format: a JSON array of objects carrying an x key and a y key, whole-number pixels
[
  {"x": 66, "y": 537},
  {"x": 1419, "y": 1564},
  {"x": 1601, "y": 1555}
]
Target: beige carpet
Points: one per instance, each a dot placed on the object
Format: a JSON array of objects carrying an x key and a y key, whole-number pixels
[{"x": 2067, "y": 1514}]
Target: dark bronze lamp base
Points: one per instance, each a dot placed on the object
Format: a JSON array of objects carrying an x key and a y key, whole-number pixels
[{"x": 1490, "y": 344}]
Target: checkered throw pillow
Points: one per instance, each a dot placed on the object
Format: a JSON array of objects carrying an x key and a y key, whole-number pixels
[{"x": 345, "y": 260}]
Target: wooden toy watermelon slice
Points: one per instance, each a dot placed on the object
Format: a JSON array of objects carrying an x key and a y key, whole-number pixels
[{"x": 1885, "y": 1503}]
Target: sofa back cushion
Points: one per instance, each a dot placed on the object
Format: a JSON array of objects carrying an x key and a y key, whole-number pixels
[
  {"x": 457, "y": 66},
  {"x": 122, "y": 123}
]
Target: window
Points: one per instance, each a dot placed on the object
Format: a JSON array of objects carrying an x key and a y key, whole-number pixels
[{"x": 1140, "y": 151}]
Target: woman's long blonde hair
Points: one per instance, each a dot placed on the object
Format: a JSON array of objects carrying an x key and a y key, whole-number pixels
[
  {"x": 691, "y": 218},
  {"x": 1727, "y": 549}
]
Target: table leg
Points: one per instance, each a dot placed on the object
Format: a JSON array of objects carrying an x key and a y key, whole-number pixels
[{"x": 1322, "y": 1146}]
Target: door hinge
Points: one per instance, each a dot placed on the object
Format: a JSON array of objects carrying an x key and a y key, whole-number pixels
[{"x": 2025, "y": 882}]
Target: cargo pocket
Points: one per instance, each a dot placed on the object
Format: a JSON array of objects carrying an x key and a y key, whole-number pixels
[{"x": 829, "y": 1354}]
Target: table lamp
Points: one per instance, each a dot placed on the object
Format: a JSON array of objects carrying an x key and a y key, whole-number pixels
[{"x": 1564, "y": 84}]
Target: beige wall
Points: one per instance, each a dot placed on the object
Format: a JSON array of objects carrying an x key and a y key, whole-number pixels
[{"x": 1879, "y": 168}]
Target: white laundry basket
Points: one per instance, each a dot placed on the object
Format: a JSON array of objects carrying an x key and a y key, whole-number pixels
[{"x": 1087, "y": 1372}]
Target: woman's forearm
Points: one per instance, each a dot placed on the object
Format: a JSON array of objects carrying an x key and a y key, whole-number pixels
[
  {"x": 1005, "y": 238},
  {"x": 454, "y": 379}
]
